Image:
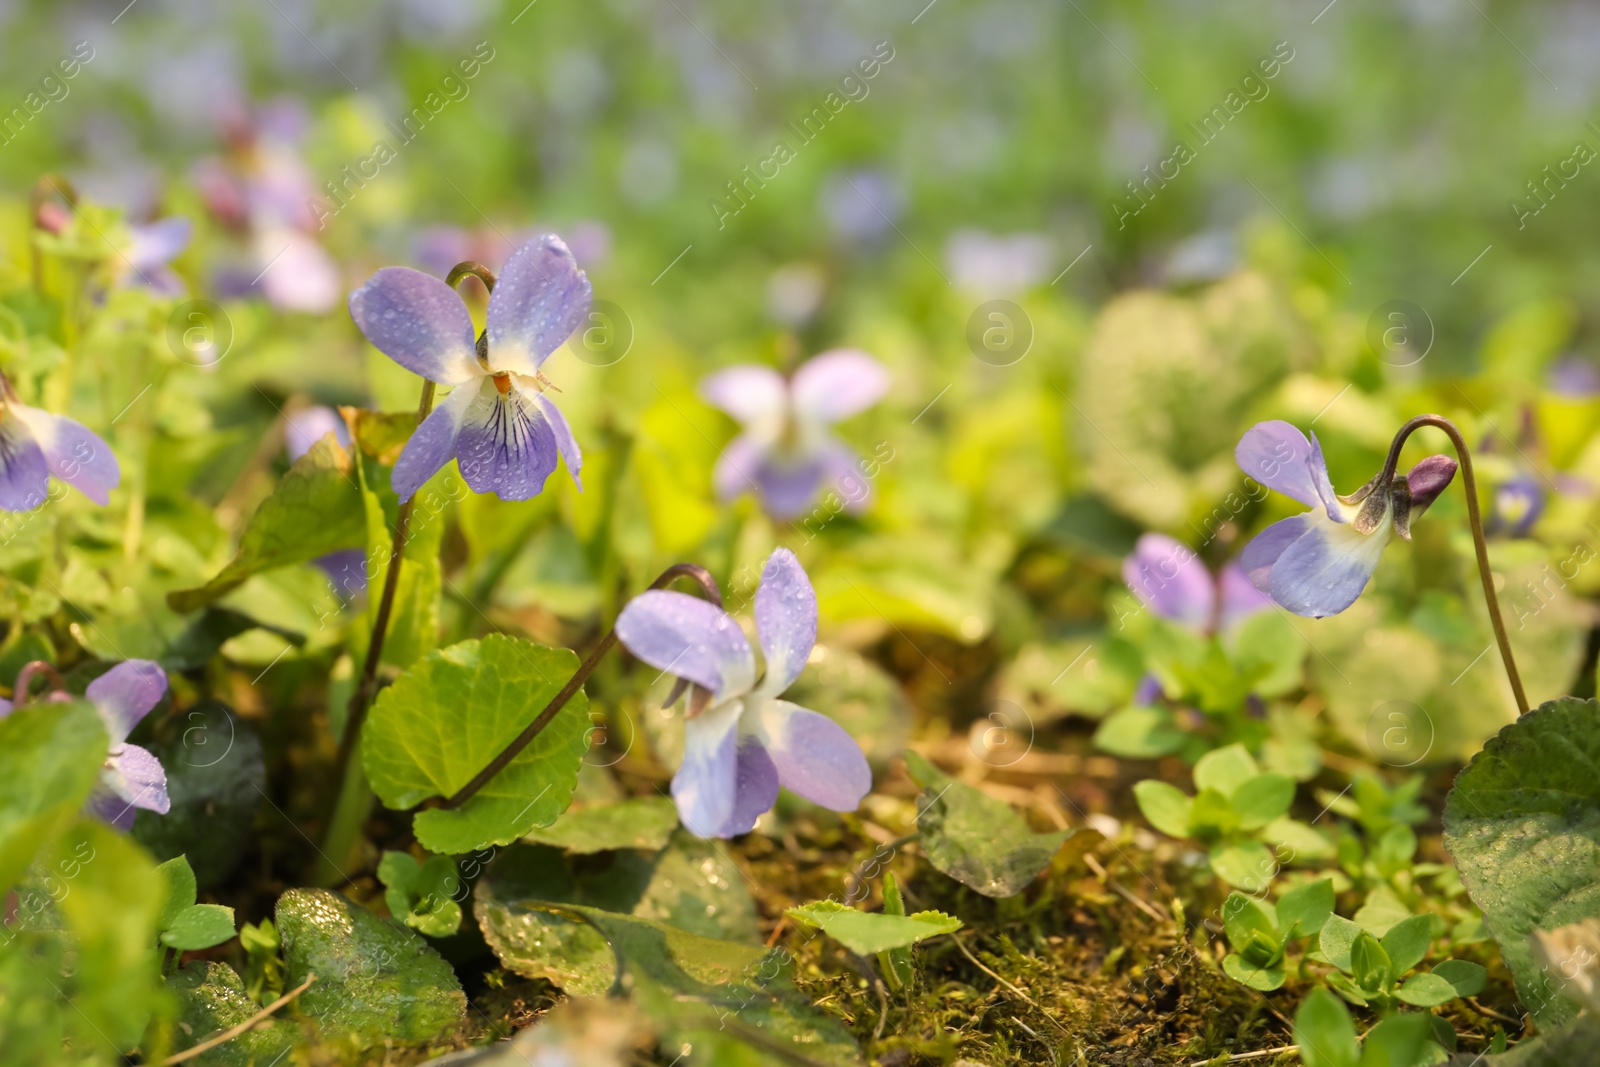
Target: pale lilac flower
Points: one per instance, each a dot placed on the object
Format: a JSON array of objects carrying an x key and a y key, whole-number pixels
[
  {"x": 991, "y": 265},
  {"x": 34, "y": 444},
  {"x": 1171, "y": 581},
  {"x": 131, "y": 777},
  {"x": 786, "y": 453},
  {"x": 741, "y": 742},
  {"x": 498, "y": 425},
  {"x": 1317, "y": 563},
  {"x": 155, "y": 245}
]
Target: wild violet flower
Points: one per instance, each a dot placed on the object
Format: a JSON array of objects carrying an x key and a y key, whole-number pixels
[
  {"x": 786, "y": 453},
  {"x": 34, "y": 444},
  {"x": 741, "y": 742},
  {"x": 155, "y": 245},
  {"x": 131, "y": 777},
  {"x": 1171, "y": 581},
  {"x": 497, "y": 424},
  {"x": 1317, "y": 563}
]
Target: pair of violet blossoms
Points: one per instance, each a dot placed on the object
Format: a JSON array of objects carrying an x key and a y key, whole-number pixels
[
  {"x": 741, "y": 740},
  {"x": 1313, "y": 564}
]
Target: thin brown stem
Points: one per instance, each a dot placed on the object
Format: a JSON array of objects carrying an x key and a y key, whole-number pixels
[
  {"x": 20, "y": 693},
  {"x": 361, "y": 699},
  {"x": 1469, "y": 485},
  {"x": 707, "y": 584}
]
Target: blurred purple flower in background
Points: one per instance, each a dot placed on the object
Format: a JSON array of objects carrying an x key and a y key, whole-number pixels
[
  {"x": 741, "y": 742},
  {"x": 498, "y": 425},
  {"x": 155, "y": 245},
  {"x": 785, "y": 452},
  {"x": 1317, "y": 563},
  {"x": 989, "y": 265},
  {"x": 35, "y": 444},
  {"x": 860, "y": 205},
  {"x": 304, "y": 428},
  {"x": 1167, "y": 576}
]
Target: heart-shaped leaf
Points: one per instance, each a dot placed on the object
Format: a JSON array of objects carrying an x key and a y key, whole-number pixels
[
  {"x": 456, "y": 709},
  {"x": 1167, "y": 807},
  {"x": 638, "y": 822},
  {"x": 376, "y": 980},
  {"x": 980, "y": 841},
  {"x": 1523, "y": 826},
  {"x": 199, "y": 926},
  {"x": 865, "y": 933},
  {"x": 211, "y": 999}
]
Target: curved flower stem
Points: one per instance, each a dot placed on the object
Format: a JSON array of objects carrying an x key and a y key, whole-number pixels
[
  {"x": 678, "y": 570},
  {"x": 1474, "y": 519},
  {"x": 20, "y": 693}
]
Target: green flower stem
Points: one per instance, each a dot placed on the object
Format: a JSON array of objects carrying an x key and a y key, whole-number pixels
[
  {"x": 1474, "y": 519},
  {"x": 355, "y": 796},
  {"x": 557, "y": 702}
]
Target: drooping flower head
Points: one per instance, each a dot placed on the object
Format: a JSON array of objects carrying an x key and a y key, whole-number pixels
[
  {"x": 786, "y": 453},
  {"x": 1317, "y": 563},
  {"x": 1171, "y": 581},
  {"x": 741, "y": 741},
  {"x": 497, "y": 424},
  {"x": 131, "y": 776},
  {"x": 34, "y": 444}
]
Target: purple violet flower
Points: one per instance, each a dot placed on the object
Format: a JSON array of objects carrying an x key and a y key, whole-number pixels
[
  {"x": 35, "y": 444},
  {"x": 786, "y": 453},
  {"x": 741, "y": 742},
  {"x": 1170, "y": 580},
  {"x": 497, "y": 424},
  {"x": 1318, "y": 562},
  {"x": 155, "y": 245},
  {"x": 131, "y": 777}
]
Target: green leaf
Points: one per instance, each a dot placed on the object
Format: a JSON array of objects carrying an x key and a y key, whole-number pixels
[
  {"x": 1165, "y": 806},
  {"x": 895, "y": 963},
  {"x": 638, "y": 822},
  {"x": 1244, "y": 916},
  {"x": 1137, "y": 732},
  {"x": 1267, "y": 646},
  {"x": 1260, "y": 800},
  {"x": 1297, "y": 840},
  {"x": 1304, "y": 910},
  {"x": 980, "y": 841},
  {"x": 865, "y": 933},
  {"x": 422, "y": 895},
  {"x": 376, "y": 980},
  {"x": 1370, "y": 965},
  {"x": 1465, "y": 977},
  {"x": 1335, "y": 940},
  {"x": 216, "y": 780},
  {"x": 1263, "y": 978},
  {"x": 1382, "y": 911},
  {"x": 50, "y": 757},
  {"x": 1325, "y": 1032},
  {"x": 181, "y": 890},
  {"x": 691, "y": 885},
  {"x": 1225, "y": 770},
  {"x": 1523, "y": 826},
  {"x": 1426, "y": 991},
  {"x": 211, "y": 999},
  {"x": 693, "y": 985},
  {"x": 1340, "y": 983},
  {"x": 314, "y": 510},
  {"x": 199, "y": 926},
  {"x": 1212, "y": 816},
  {"x": 452, "y": 712},
  {"x": 1398, "y": 1041},
  {"x": 1246, "y": 865},
  {"x": 1407, "y": 942}
]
